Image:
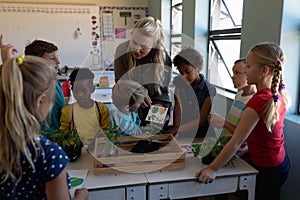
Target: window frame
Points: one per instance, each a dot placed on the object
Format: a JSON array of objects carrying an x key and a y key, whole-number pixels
[{"x": 218, "y": 35}]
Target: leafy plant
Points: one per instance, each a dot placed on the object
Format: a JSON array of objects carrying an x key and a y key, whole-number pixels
[
  {"x": 113, "y": 133},
  {"x": 153, "y": 129},
  {"x": 211, "y": 149},
  {"x": 65, "y": 138},
  {"x": 69, "y": 140}
]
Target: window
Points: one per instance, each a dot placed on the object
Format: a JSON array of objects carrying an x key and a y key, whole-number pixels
[
  {"x": 224, "y": 41},
  {"x": 176, "y": 28}
]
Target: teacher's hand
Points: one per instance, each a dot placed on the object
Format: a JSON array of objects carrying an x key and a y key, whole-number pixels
[
  {"x": 147, "y": 102},
  {"x": 206, "y": 175}
]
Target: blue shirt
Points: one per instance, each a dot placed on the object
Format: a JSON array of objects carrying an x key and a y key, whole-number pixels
[
  {"x": 193, "y": 99},
  {"x": 49, "y": 163},
  {"x": 52, "y": 122},
  {"x": 127, "y": 124}
]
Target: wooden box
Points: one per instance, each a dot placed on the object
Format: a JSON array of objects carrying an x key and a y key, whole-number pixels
[{"x": 169, "y": 156}]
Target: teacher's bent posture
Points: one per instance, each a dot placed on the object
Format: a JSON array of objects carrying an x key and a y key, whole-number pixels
[{"x": 144, "y": 59}]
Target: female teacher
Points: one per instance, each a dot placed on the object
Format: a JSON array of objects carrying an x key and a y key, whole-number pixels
[{"x": 144, "y": 59}]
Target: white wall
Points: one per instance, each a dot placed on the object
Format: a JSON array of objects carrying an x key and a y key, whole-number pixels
[
  {"x": 93, "y": 2},
  {"x": 290, "y": 42}
]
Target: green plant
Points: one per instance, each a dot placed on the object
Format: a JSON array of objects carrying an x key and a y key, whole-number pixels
[
  {"x": 153, "y": 129},
  {"x": 69, "y": 140},
  {"x": 113, "y": 133},
  {"x": 211, "y": 148},
  {"x": 65, "y": 138}
]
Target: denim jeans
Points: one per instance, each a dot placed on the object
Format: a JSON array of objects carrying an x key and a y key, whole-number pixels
[{"x": 269, "y": 180}]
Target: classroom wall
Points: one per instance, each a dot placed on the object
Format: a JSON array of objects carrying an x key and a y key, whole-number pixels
[
  {"x": 260, "y": 32},
  {"x": 68, "y": 41},
  {"x": 93, "y": 2},
  {"x": 290, "y": 34},
  {"x": 269, "y": 26}
]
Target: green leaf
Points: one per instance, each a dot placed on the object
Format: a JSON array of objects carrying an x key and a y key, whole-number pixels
[
  {"x": 196, "y": 149},
  {"x": 75, "y": 181}
]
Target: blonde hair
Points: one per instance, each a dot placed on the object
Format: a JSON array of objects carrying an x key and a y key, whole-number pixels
[
  {"x": 270, "y": 54},
  {"x": 152, "y": 27},
  {"x": 21, "y": 85},
  {"x": 126, "y": 90}
]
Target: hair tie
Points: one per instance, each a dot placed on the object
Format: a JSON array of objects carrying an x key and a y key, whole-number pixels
[
  {"x": 281, "y": 86},
  {"x": 275, "y": 97},
  {"x": 20, "y": 59}
]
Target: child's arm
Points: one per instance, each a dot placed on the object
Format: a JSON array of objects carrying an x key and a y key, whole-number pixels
[
  {"x": 7, "y": 51},
  {"x": 205, "y": 110},
  {"x": 58, "y": 188},
  {"x": 176, "y": 117},
  {"x": 247, "y": 123},
  {"x": 203, "y": 114},
  {"x": 104, "y": 116},
  {"x": 217, "y": 121},
  {"x": 66, "y": 118}
]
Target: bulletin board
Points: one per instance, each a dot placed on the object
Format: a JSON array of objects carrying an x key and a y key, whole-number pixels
[
  {"x": 75, "y": 29},
  {"x": 116, "y": 25}
]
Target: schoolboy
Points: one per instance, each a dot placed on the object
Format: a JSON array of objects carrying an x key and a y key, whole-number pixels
[
  {"x": 88, "y": 116},
  {"x": 49, "y": 52},
  {"x": 193, "y": 96}
]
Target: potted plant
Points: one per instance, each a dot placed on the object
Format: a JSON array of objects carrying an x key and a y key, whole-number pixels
[
  {"x": 112, "y": 140},
  {"x": 211, "y": 148},
  {"x": 69, "y": 140}
]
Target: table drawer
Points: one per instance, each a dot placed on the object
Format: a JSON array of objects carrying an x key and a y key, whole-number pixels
[
  {"x": 194, "y": 188},
  {"x": 158, "y": 191},
  {"x": 114, "y": 194},
  {"x": 136, "y": 193}
]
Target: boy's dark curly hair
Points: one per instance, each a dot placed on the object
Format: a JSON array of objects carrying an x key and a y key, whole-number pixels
[
  {"x": 81, "y": 74},
  {"x": 188, "y": 56},
  {"x": 39, "y": 47}
]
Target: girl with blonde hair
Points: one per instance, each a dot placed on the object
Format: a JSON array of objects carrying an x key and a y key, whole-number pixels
[
  {"x": 31, "y": 166},
  {"x": 261, "y": 124}
]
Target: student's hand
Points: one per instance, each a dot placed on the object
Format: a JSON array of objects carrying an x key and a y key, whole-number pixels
[
  {"x": 172, "y": 130},
  {"x": 206, "y": 175},
  {"x": 147, "y": 102},
  {"x": 216, "y": 120},
  {"x": 81, "y": 194},
  {"x": 7, "y": 51}
]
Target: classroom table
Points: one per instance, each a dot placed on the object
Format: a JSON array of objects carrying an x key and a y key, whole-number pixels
[{"x": 165, "y": 184}]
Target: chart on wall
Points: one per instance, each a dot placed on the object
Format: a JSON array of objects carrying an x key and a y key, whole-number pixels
[
  {"x": 75, "y": 29},
  {"x": 116, "y": 25}
]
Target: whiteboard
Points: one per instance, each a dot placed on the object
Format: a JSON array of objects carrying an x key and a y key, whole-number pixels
[{"x": 73, "y": 28}]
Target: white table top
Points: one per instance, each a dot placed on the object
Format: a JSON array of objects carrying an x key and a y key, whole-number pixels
[
  {"x": 192, "y": 165},
  {"x": 95, "y": 181},
  {"x": 124, "y": 179}
]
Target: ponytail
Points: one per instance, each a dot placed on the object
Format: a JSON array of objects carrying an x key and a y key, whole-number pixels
[{"x": 22, "y": 81}]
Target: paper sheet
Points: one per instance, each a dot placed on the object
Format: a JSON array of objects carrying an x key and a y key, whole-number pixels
[
  {"x": 77, "y": 179},
  {"x": 157, "y": 114}
]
